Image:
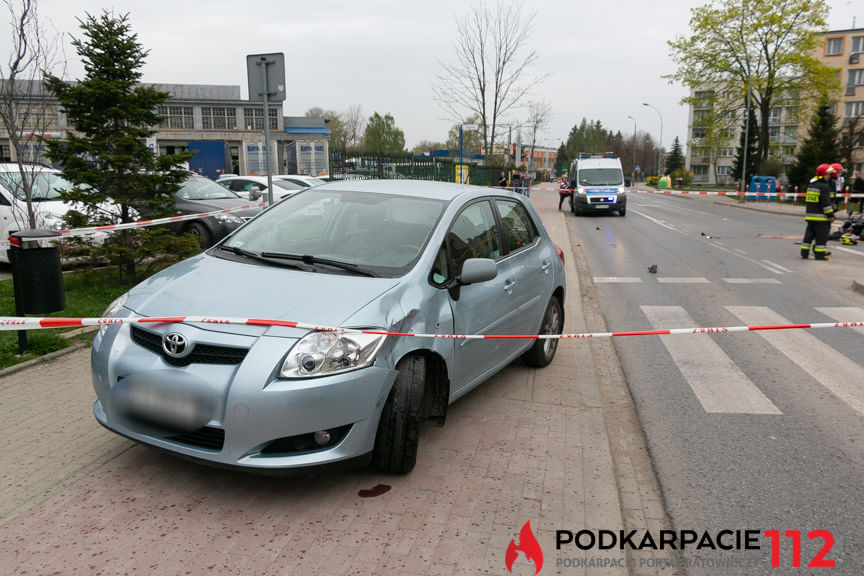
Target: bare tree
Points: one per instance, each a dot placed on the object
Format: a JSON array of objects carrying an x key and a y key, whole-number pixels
[
  {"x": 539, "y": 116},
  {"x": 490, "y": 74},
  {"x": 27, "y": 110},
  {"x": 355, "y": 124}
]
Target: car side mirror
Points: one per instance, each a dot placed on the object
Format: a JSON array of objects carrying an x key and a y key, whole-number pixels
[
  {"x": 477, "y": 270},
  {"x": 473, "y": 270},
  {"x": 255, "y": 193}
]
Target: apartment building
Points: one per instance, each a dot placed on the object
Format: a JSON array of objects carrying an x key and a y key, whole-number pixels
[{"x": 710, "y": 157}]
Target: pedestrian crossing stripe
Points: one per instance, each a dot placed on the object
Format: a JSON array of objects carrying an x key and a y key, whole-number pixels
[
  {"x": 718, "y": 383},
  {"x": 828, "y": 366}
]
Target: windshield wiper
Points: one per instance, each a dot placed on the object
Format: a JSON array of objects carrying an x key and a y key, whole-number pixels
[
  {"x": 258, "y": 257},
  {"x": 312, "y": 260}
]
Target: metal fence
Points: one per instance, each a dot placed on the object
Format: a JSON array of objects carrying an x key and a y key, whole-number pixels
[{"x": 359, "y": 165}]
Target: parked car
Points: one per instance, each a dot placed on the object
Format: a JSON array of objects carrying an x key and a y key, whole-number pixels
[
  {"x": 47, "y": 205},
  {"x": 255, "y": 187},
  {"x": 198, "y": 195},
  {"x": 407, "y": 257},
  {"x": 300, "y": 179}
]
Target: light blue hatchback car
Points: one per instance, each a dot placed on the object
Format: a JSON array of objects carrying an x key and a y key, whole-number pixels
[{"x": 402, "y": 257}]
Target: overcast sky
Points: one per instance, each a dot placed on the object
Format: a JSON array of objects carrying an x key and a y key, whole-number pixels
[{"x": 602, "y": 59}]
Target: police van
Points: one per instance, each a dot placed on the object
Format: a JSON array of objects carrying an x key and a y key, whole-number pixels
[{"x": 597, "y": 182}]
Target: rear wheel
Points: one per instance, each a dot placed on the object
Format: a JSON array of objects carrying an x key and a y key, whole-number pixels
[
  {"x": 543, "y": 350},
  {"x": 399, "y": 428}
]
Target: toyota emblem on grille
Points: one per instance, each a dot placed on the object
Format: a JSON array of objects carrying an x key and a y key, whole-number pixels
[{"x": 174, "y": 344}]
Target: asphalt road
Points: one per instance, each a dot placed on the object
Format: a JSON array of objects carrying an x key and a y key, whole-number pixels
[{"x": 747, "y": 431}]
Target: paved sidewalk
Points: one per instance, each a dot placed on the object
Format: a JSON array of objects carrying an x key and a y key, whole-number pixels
[{"x": 560, "y": 447}]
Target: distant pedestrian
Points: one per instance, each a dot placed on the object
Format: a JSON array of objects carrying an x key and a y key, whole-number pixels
[
  {"x": 563, "y": 191},
  {"x": 502, "y": 180},
  {"x": 526, "y": 184},
  {"x": 516, "y": 182},
  {"x": 858, "y": 189}
]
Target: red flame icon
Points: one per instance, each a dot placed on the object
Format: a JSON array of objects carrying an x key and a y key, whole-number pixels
[{"x": 529, "y": 546}]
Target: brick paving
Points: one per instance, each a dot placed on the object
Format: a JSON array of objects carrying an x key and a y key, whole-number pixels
[{"x": 560, "y": 446}]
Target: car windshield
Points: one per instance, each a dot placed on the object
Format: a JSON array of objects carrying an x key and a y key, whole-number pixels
[
  {"x": 201, "y": 188},
  {"x": 379, "y": 233},
  {"x": 601, "y": 177},
  {"x": 46, "y": 185}
]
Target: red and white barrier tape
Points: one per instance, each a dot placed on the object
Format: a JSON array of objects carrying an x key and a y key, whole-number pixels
[
  {"x": 23, "y": 323},
  {"x": 780, "y": 195}
]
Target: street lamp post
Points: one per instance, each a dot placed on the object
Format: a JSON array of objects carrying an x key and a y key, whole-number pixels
[
  {"x": 746, "y": 69},
  {"x": 660, "y": 151},
  {"x": 633, "y": 168}
]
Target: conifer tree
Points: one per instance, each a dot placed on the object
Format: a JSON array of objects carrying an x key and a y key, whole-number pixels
[
  {"x": 116, "y": 176},
  {"x": 820, "y": 147}
]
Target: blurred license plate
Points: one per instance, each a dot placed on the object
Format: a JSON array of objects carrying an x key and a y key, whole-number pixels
[{"x": 598, "y": 206}]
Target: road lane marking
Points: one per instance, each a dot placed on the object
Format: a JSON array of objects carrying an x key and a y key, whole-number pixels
[
  {"x": 670, "y": 280},
  {"x": 829, "y": 367},
  {"x": 751, "y": 281},
  {"x": 775, "y": 265},
  {"x": 615, "y": 280},
  {"x": 719, "y": 385}
]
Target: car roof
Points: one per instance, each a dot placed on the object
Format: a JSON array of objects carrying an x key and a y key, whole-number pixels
[
  {"x": 598, "y": 163},
  {"x": 419, "y": 188}
]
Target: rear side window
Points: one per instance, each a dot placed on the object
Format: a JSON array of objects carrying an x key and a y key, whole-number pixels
[
  {"x": 517, "y": 227},
  {"x": 474, "y": 234}
]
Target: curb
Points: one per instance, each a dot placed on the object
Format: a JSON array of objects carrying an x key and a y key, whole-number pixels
[{"x": 44, "y": 358}]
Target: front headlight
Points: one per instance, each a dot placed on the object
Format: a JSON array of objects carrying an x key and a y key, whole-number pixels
[
  {"x": 326, "y": 353},
  {"x": 112, "y": 309},
  {"x": 228, "y": 219}
]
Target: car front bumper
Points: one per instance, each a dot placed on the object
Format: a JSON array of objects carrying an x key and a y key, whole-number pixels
[{"x": 255, "y": 420}]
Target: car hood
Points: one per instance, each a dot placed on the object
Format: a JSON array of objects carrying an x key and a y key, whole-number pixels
[{"x": 210, "y": 286}]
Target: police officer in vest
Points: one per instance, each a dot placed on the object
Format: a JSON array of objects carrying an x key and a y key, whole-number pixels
[{"x": 819, "y": 213}]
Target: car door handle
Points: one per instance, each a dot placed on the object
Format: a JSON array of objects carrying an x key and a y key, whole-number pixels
[
  {"x": 508, "y": 286},
  {"x": 546, "y": 266}
]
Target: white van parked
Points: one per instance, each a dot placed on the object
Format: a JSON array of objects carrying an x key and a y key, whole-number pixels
[{"x": 597, "y": 181}]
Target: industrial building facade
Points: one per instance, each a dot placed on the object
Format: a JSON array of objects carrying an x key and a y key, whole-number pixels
[{"x": 193, "y": 113}]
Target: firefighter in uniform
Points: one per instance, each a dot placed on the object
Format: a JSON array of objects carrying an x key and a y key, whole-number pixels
[{"x": 819, "y": 213}]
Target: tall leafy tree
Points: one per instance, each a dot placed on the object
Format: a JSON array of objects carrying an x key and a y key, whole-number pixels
[
  {"x": 768, "y": 45},
  {"x": 338, "y": 134},
  {"x": 675, "y": 160},
  {"x": 471, "y": 139},
  {"x": 753, "y": 164},
  {"x": 820, "y": 147},
  {"x": 383, "y": 136},
  {"x": 106, "y": 157}
]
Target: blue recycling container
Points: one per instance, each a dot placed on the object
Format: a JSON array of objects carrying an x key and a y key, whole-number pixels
[{"x": 762, "y": 188}]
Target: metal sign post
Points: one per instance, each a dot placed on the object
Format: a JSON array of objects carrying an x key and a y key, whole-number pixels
[{"x": 261, "y": 87}]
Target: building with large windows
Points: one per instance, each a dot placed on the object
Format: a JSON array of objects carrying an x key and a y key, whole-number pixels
[
  {"x": 197, "y": 113},
  {"x": 711, "y": 156}
]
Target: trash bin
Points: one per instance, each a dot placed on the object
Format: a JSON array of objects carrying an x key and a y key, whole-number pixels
[{"x": 37, "y": 278}]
